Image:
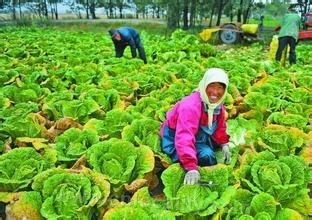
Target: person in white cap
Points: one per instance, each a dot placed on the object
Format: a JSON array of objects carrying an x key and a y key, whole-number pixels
[{"x": 196, "y": 125}]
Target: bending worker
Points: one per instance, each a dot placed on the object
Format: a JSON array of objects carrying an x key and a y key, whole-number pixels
[
  {"x": 196, "y": 126},
  {"x": 127, "y": 36},
  {"x": 288, "y": 35}
]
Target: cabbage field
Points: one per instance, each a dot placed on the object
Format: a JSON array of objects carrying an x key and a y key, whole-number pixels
[{"x": 79, "y": 129}]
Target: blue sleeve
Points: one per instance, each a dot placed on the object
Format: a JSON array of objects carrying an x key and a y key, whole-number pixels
[{"x": 129, "y": 35}]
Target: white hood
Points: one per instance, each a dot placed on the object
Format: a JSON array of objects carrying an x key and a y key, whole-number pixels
[{"x": 212, "y": 75}]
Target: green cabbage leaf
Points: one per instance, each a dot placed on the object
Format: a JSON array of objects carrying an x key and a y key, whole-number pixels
[
  {"x": 71, "y": 195},
  {"x": 120, "y": 161},
  {"x": 73, "y": 143},
  {"x": 19, "y": 166}
]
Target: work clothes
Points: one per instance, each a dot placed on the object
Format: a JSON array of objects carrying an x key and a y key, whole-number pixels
[
  {"x": 186, "y": 136},
  {"x": 282, "y": 44},
  {"x": 288, "y": 35},
  {"x": 129, "y": 37},
  {"x": 290, "y": 25}
]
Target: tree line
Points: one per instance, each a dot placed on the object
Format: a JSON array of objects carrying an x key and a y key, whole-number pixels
[{"x": 178, "y": 13}]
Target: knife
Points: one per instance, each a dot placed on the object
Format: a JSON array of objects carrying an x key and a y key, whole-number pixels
[{"x": 207, "y": 183}]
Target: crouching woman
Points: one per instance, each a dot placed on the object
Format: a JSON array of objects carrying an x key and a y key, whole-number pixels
[{"x": 196, "y": 126}]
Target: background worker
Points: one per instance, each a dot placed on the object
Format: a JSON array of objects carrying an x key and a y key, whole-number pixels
[
  {"x": 288, "y": 35},
  {"x": 196, "y": 125},
  {"x": 127, "y": 36},
  {"x": 261, "y": 23}
]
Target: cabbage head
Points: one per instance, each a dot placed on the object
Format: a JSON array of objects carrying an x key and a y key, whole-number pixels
[
  {"x": 79, "y": 109},
  {"x": 284, "y": 178},
  {"x": 291, "y": 120},
  {"x": 143, "y": 132},
  {"x": 19, "y": 166},
  {"x": 196, "y": 199},
  {"x": 280, "y": 140},
  {"x": 22, "y": 205},
  {"x": 142, "y": 206},
  {"x": 146, "y": 106},
  {"x": 120, "y": 160},
  {"x": 288, "y": 214},
  {"x": 73, "y": 143},
  {"x": 71, "y": 195},
  {"x": 115, "y": 120}
]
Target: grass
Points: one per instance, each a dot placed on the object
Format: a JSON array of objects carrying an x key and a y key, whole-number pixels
[
  {"x": 153, "y": 27},
  {"x": 149, "y": 27}
]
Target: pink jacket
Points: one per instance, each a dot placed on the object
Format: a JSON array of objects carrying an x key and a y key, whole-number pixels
[{"x": 185, "y": 118}]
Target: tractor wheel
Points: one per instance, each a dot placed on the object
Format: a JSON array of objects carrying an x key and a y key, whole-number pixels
[{"x": 231, "y": 35}]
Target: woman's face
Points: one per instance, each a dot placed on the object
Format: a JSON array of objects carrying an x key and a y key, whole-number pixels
[{"x": 215, "y": 91}]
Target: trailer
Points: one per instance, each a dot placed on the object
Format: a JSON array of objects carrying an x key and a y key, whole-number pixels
[
  {"x": 305, "y": 35},
  {"x": 230, "y": 33},
  {"x": 305, "y": 10}
]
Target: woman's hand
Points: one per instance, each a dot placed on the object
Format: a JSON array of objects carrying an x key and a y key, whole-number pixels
[
  {"x": 226, "y": 154},
  {"x": 191, "y": 177}
]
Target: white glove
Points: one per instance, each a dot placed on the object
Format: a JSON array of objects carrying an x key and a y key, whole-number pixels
[
  {"x": 226, "y": 154},
  {"x": 191, "y": 177}
]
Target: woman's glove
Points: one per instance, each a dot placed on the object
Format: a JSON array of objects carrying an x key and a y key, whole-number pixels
[
  {"x": 226, "y": 154},
  {"x": 191, "y": 177}
]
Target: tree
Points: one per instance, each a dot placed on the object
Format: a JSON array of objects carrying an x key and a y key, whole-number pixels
[
  {"x": 231, "y": 14},
  {"x": 193, "y": 13},
  {"x": 222, "y": 4},
  {"x": 185, "y": 13},
  {"x": 92, "y": 8},
  {"x": 240, "y": 10},
  {"x": 246, "y": 11},
  {"x": 111, "y": 8},
  {"x": 305, "y": 5},
  {"x": 173, "y": 13},
  {"x": 212, "y": 12},
  {"x": 140, "y": 7},
  {"x": 243, "y": 10},
  {"x": 53, "y": 8},
  {"x": 157, "y": 7},
  {"x": 121, "y": 5},
  {"x": 75, "y": 8},
  {"x": 258, "y": 9},
  {"x": 13, "y": 9},
  {"x": 276, "y": 10}
]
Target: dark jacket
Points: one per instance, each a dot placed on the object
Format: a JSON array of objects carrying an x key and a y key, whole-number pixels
[{"x": 131, "y": 37}]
